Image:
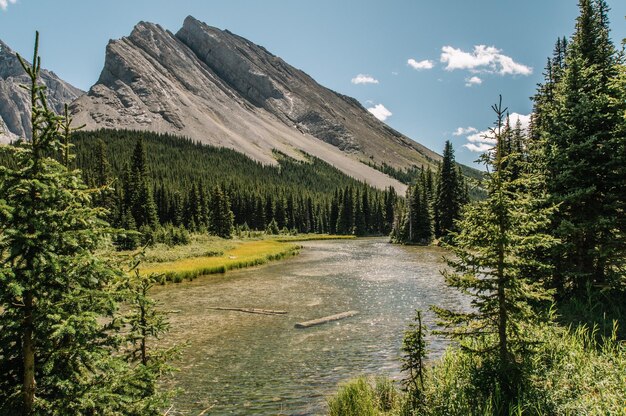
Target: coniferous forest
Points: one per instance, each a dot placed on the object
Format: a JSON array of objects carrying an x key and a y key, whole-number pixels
[{"x": 537, "y": 245}]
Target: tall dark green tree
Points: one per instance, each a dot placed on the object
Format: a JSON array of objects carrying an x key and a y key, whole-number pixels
[
  {"x": 59, "y": 338},
  {"x": 581, "y": 125},
  {"x": 139, "y": 198},
  {"x": 345, "y": 219},
  {"x": 449, "y": 197},
  {"x": 221, "y": 215},
  {"x": 495, "y": 246}
]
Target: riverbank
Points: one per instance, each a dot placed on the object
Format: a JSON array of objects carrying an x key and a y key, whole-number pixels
[
  {"x": 261, "y": 365},
  {"x": 213, "y": 255}
]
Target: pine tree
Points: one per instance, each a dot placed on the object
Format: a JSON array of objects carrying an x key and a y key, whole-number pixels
[
  {"x": 345, "y": 219},
  {"x": 496, "y": 244},
  {"x": 139, "y": 198},
  {"x": 581, "y": 126},
  {"x": 414, "y": 348},
  {"x": 221, "y": 215},
  {"x": 145, "y": 321},
  {"x": 450, "y": 190},
  {"x": 58, "y": 326}
]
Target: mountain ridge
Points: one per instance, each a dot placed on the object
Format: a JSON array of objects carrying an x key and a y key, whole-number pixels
[
  {"x": 15, "y": 109},
  {"x": 221, "y": 89}
]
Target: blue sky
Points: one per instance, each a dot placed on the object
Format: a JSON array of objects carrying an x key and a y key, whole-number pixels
[{"x": 455, "y": 82}]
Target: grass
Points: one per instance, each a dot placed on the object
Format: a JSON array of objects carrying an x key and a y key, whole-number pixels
[
  {"x": 234, "y": 255},
  {"x": 207, "y": 254},
  {"x": 572, "y": 372},
  {"x": 365, "y": 397}
]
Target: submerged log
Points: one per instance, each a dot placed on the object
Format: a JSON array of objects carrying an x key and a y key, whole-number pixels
[
  {"x": 250, "y": 310},
  {"x": 326, "y": 319}
]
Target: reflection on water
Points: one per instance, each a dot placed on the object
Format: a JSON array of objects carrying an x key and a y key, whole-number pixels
[{"x": 239, "y": 363}]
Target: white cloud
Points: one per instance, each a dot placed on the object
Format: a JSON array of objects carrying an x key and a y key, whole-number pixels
[
  {"x": 480, "y": 137},
  {"x": 419, "y": 65},
  {"x": 480, "y": 148},
  {"x": 469, "y": 82},
  {"x": 394, "y": 73},
  {"x": 482, "y": 141},
  {"x": 380, "y": 112},
  {"x": 5, "y": 3},
  {"x": 484, "y": 59},
  {"x": 461, "y": 131},
  {"x": 524, "y": 119},
  {"x": 361, "y": 79}
]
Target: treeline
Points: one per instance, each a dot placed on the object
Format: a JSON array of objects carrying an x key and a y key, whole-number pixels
[
  {"x": 159, "y": 180},
  {"x": 433, "y": 203}
]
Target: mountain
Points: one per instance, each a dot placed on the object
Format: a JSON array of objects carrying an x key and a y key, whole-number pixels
[
  {"x": 221, "y": 89},
  {"x": 15, "y": 108}
]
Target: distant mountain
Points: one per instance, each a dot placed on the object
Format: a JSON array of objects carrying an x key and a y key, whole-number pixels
[
  {"x": 221, "y": 89},
  {"x": 15, "y": 101}
]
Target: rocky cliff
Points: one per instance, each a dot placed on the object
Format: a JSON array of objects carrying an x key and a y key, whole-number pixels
[
  {"x": 15, "y": 101},
  {"x": 221, "y": 89}
]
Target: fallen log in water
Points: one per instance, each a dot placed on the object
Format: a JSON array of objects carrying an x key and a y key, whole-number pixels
[
  {"x": 250, "y": 310},
  {"x": 326, "y": 319}
]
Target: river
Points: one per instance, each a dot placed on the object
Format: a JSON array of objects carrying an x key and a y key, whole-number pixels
[{"x": 247, "y": 364}]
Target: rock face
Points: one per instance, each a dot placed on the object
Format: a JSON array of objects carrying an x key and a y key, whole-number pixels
[
  {"x": 221, "y": 89},
  {"x": 15, "y": 101}
]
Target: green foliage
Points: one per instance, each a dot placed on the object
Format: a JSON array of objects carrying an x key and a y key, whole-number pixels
[
  {"x": 573, "y": 372},
  {"x": 494, "y": 249},
  {"x": 580, "y": 124},
  {"x": 414, "y": 350},
  {"x": 450, "y": 195},
  {"x": 364, "y": 397},
  {"x": 60, "y": 340},
  {"x": 221, "y": 216},
  {"x": 272, "y": 228},
  {"x": 300, "y": 195}
]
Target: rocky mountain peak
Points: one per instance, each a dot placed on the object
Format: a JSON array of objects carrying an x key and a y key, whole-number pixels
[
  {"x": 222, "y": 89},
  {"x": 15, "y": 108}
]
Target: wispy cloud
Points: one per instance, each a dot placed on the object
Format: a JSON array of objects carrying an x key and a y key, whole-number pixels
[
  {"x": 420, "y": 65},
  {"x": 361, "y": 78},
  {"x": 483, "y": 59},
  {"x": 482, "y": 141},
  {"x": 470, "y": 82},
  {"x": 461, "y": 131},
  {"x": 5, "y": 3},
  {"x": 380, "y": 112}
]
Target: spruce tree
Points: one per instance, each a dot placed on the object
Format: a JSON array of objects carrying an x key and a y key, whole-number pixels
[
  {"x": 497, "y": 243},
  {"x": 221, "y": 215},
  {"x": 139, "y": 198},
  {"x": 59, "y": 334},
  {"x": 580, "y": 123},
  {"x": 449, "y": 198},
  {"x": 414, "y": 348}
]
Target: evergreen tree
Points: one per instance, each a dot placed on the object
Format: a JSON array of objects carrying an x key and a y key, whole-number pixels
[
  {"x": 580, "y": 122},
  {"x": 221, "y": 215},
  {"x": 139, "y": 198},
  {"x": 414, "y": 348},
  {"x": 450, "y": 194},
  {"x": 496, "y": 244},
  {"x": 345, "y": 219},
  {"x": 59, "y": 338}
]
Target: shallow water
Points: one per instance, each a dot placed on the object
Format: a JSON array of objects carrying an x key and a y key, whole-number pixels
[{"x": 247, "y": 364}]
